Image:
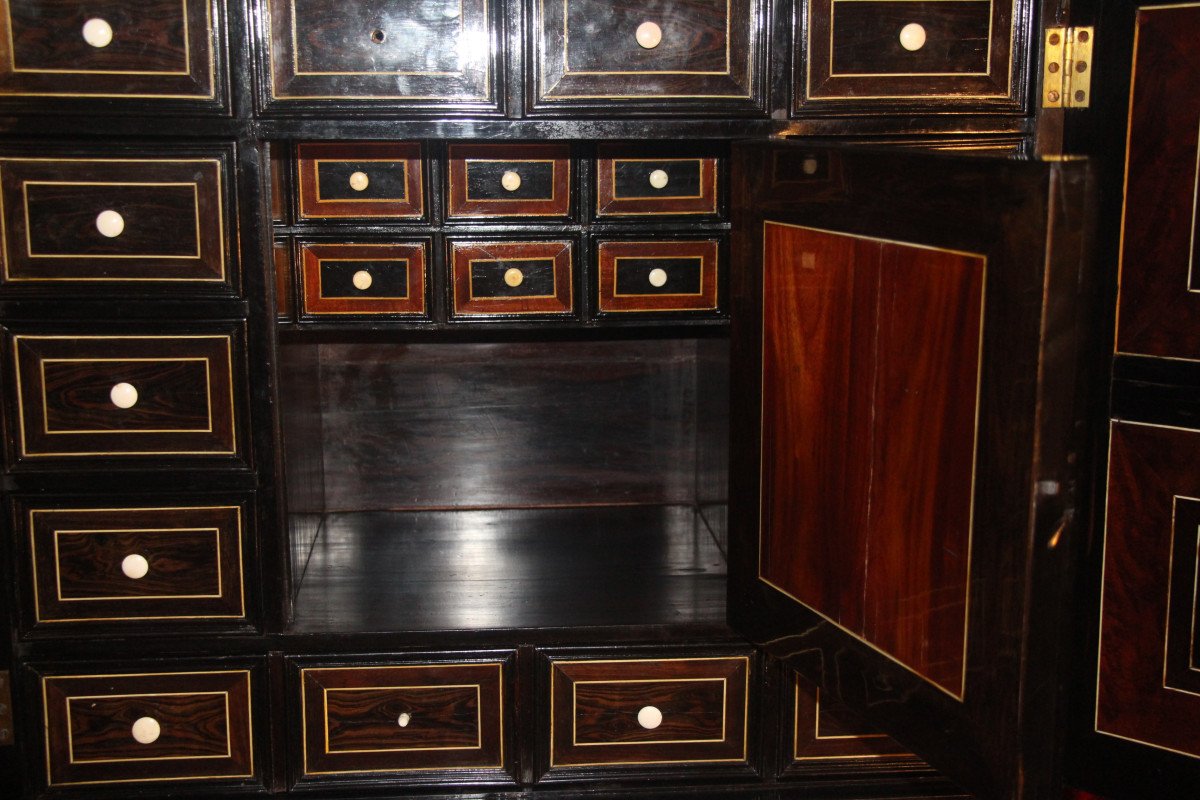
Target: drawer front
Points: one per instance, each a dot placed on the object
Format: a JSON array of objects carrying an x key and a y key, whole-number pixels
[
  {"x": 656, "y": 186},
  {"x": 825, "y": 729},
  {"x": 102, "y": 220},
  {"x": 170, "y": 726},
  {"x": 506, "y": 278},
  {"x": 411, "y": 52},
  {"x": 360, "y": 180},
  {"x": 658, "y": 276},
  {"x": 509, "y": 180},
  {"x": 952, "y": 51},
  {"x": 151, "y": 49},
  {"x": 364, "y": 278},
  {"x": 90, "y": 396},
  {"x": 402, "y": 718},
  {"x": 657, "y": 55},
  {"x": 116, "y": 565},
  {"x": 649, "y": 711}
]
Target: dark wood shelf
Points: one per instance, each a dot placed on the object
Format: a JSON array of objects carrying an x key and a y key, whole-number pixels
[{"x": 512, "y": 569}]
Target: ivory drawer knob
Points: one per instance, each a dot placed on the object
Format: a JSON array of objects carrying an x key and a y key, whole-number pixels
[
  {"x": 146, "y": 730},
  {"x": 514, "y": 277},
  {"x": 359, "y": 181},
  {"x": 135, "y": 566},
  {"x": 511, "y": 181},
  {"x": 658, "y": 277},
  {"x": 912, "y": 36},
  {"x": 404, "y": 719},
  {"x": 362, "y": 280},
  {"x": 123, "y": 395},
  {"x": 648, "y": 35},
  {"x": 110, "y": 223},
  {"x": 659, "y": 178},
  {"x": 97, "y": 32},
  {"x": 649, "y": 718}
]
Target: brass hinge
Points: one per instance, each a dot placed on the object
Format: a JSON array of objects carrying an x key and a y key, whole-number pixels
[
  {"x": 6, "y": 713},
  {"x": 1067, "y": 71}
]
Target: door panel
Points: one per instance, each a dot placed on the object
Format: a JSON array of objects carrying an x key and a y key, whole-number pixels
[{"x": 906, "y": 331}]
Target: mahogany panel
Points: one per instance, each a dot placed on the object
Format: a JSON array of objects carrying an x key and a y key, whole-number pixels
[
  {"x": 396, "y": 271},
  {"x": 1159, "y": 295},
  {"x": 1152, "y": 514},
  {"x": 824, "y": 728},
  {"x": 627, "y": 271},
  {"x": 476, "y": 172},
  {"x": 204, "y": 719},
  {"x": 623, "y": 185},
  {"x": 395, "y": 182},
  {"x": 510, "y": 278}
]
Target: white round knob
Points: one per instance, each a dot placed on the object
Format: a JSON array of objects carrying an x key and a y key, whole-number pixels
[
  {"x": 404, "y": 719},
  {"x": 511, "y": 181},
  {"x": 135, "y": 566},
  {"x": 649, "y": 718},
  {"x": 648, "y": 35},
  {"x": 658, "y": 277},
  {"x": 514, "y": 277},
  {"x": 110, "y": 223},
  {"x": 362, "y": 280},
  {"x": 912, "y": 36},
  {"x": 659, "y": 178},
  {"x": 359, "y": 181},
  {"x": 97, "y": 32},
  {"x": 146, "y": 730},
  {"x": 810, "y": 165},
  {"x": 123, "y": 395}
]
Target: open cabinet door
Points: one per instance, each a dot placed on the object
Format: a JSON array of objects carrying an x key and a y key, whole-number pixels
[{"x": 906, "y": 335}]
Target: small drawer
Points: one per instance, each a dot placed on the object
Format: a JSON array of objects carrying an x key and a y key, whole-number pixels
[
  {"x": 364, "y": 278},
  {"x": 956, "y": 51},
  {"x": 504, "y": 278},
  {"x": 133, "y": 564},
  {"x": 92, "y": 396},
  {"x": 135, "y": 727},
  {"x": 663, "y": 56},
  {"x": 656, "y": 186},
  {"x": 402, "y": 718},
  {"x": 825, "y": 729},
  {"x": 652, "y": 711},
  {"x": 508, "y": 180},
  {"x": 658, "y": 276},
  {"x": 433, "y": 54},
  {"x": 136, "y": 49},
  {"x": 90, "y": 221},
  {"x": 359, "y": 180}
]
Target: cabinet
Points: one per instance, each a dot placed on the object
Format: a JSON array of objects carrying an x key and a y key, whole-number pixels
[{"x": 426, "y": 398}]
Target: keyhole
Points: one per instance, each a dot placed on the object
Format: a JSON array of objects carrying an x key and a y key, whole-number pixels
[{"x": 377, "y": 36}]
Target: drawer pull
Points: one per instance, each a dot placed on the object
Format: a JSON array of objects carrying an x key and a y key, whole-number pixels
[
  {"x": 359, "y": 181},
  {"x": 123, "y": 395},
  {"x": 648, "y": 35},
  {"x": 362, "y": 280},
  {"x": 135, "y": 566},
  {"x": 146, "y": 730},
  {"x": 97, "y": 32},
  {"x": 511, "y": 181},
  {"x": 912, "y": 37},
  {"x": 378, "y": 36},
  {"x": 514, "y": 277},
  {"x": 110, "y": 223},
  {"x": 404, "y": 719},
  {"x": 658, "y": 277},
  {"x": 649, "y": 717},
  {"x": 659, "y": 179}
]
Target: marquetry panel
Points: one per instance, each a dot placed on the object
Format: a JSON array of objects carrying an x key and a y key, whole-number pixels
[
  {"x": 364, "y": 278},
  {"x": 504, "y": 180},
  {"x": 360, "y": 179},
  {"x": 507, "y": 278},
  {"x": 631, "y": 186},
  {"x": 658, "y": 276}
]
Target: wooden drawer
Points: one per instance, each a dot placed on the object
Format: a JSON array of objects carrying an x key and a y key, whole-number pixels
[
  {"x": 655, "y": 186},
  {"x": 139, "y": 49},
  {"x": 598, "y": 56},
  {"x": 151, "y": 726},
  {"x": 413, "y": 53},
  {"x": 651, "y": 711},
  {"x": 509, "y": 180},
  {"x": 956, "y": 52},
  {"x": 151, "y": 220},
  {"x": 360, "y": 180},
  {"x": 507, "y": 278},
  {"x": 658, "y": 276},
  {"x": 824, "y": 729},
  {"x": 364, "y": 278},
  {"x": 103, "y": 565},
  {"x": 400, "y": 718},
  {"x": 90, "y": 396}
]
